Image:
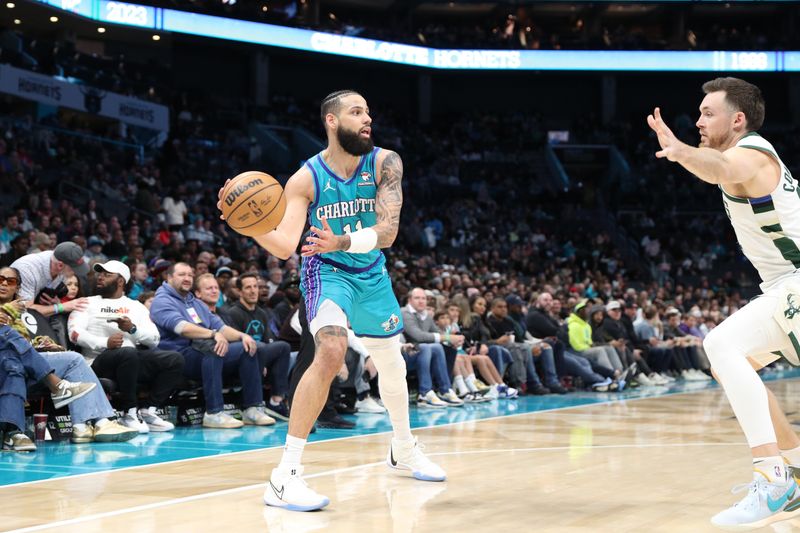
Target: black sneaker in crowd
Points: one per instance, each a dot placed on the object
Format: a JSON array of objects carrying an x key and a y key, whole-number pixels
[
  {"x": 537, "y": 390},
  {"x": 280, "y": 411},
  {"x": 335, "y": 422},
  {"x": 556, "y": 388},
  {"x": 344, "y": 409}
]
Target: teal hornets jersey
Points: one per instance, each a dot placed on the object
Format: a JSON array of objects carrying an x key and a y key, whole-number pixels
[{"x": 348, "y": 204}]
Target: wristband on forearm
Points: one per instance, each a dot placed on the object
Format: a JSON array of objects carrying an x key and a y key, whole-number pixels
[{"x": 362, "y": 241}]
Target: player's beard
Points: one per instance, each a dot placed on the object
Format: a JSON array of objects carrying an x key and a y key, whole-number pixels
[{"x": 352, "y": 143}]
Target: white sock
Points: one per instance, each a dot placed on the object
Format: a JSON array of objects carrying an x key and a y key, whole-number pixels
[
  {"x": 132, "y": 412},
  {"x": 292, "y": 452},
  {"x": 79, "y": 427},
  {"x": 470, "y": 381},
  {"x": 772, "y": 468},
  {"x": 793, "y": 455},
  {"x": 460, "y": 386},
  {"x": 101, "y": 422}
]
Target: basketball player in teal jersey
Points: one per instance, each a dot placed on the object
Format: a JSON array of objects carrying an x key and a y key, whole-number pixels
[
  {"x": 762, "y": 201},
  {"x": 351, "y": 195}
]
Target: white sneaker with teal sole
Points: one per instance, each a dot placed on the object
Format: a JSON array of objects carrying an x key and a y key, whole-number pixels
[
  {"x": 407, "y": 455},
  {"x": 764, "y": 503},
  {"x": 287, "y": 489}
]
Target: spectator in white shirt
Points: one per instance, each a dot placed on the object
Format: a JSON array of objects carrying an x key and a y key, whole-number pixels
[
  {"x": 119, "y": 340},
  {"x": 175, "y": 210}
]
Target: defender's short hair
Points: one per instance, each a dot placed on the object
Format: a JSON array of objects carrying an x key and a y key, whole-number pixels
[{"x": 741, "y": 96}]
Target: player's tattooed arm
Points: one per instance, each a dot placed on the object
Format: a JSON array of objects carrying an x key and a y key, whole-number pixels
[{"x": 389, "y": 200}]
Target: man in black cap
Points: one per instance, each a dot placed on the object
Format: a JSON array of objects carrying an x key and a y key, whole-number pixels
[{"x": 42, "y": 278}]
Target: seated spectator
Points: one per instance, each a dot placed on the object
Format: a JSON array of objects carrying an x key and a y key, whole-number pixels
[
  {"x": 139, "y": 276},
  {"x": 211, "y": 349},
  {"x": 464, "y": 379},
  {"x": 428, "y": 355},
  {"x": 596, "y": 316},
  {"x": 661, "y": 353},
  {"x": 614, "y": 331},
  {"x": 580, "y": 340},
  {"x": 41, "y": 243},
  {"x": 91, "y": 415},
  {"x": 19, "y": 248},
  {"x": 542, "y": 323},
  {"x": 275, "y": 281},
  {"x": 689, "y": 324},
  {"x": 16, "y": 367},
  {"x": 245, "y": 315},
  {"x": 503, "y": 329},
  {"x": 119, "y": 340},
  {"x": 223, "y": 275},
  {"x": 146, "y": 299},
  {"x": 479, "y": 337},
  {"x": 94, "y": 250},
  {"x": 550, "y": 359},
  {"x": 74, "y": 289},
  {"x": 206, "y": 289},
  {"x": 689, "y": 348},
  {"x": 10, "y": 231},
  {"x": 263, "y": 293},
  {"x": 21, "y": 364}
]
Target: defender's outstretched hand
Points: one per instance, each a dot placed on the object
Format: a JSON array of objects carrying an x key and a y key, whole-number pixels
[{"x": 670, "y": 145}]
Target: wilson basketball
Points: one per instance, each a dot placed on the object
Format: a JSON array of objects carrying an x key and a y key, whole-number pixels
[{"x": 253, "y": 203}]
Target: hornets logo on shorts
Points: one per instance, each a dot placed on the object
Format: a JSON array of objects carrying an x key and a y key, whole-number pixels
[{"x": 391, "y": 324}]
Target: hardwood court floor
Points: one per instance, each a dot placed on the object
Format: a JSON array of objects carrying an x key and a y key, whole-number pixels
[{"x": 661, "y": 464}]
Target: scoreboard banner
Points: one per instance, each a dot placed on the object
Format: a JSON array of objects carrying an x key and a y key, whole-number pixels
[{"x": 171, "y": 20}]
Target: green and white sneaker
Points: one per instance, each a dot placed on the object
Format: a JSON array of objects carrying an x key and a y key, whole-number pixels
[{"x": 764, "y": 504}]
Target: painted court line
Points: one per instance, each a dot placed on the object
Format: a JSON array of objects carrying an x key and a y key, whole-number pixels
[
  {"x": 350, "y": 437},
  {"x": 245, "y": 488}
]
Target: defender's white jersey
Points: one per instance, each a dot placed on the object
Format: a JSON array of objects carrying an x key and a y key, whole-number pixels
[{"x": 768, "y": 228}]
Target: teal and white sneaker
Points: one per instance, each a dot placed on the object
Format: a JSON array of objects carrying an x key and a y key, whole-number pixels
[{"x": 764, "y": 503}]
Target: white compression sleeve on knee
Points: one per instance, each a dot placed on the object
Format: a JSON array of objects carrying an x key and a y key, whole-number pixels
[
  {"x": 391, "y": 367},
  {"x": 751, "y": 330}
]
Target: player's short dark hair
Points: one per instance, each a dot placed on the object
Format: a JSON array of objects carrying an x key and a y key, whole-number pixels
[
  {"x": 244, "y": 276},
  {"x": 332, "y": 103},
  {"x": 439, "y": 314},
  {"x": 741, "y": 96}
]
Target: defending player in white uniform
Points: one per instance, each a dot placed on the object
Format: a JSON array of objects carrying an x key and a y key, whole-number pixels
[{"x": 762, "y": 200}]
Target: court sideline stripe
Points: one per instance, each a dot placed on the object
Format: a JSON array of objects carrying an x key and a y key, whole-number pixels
[
  {"x": 349, "y": 437},
  {"x": 245, "y": 488}
]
